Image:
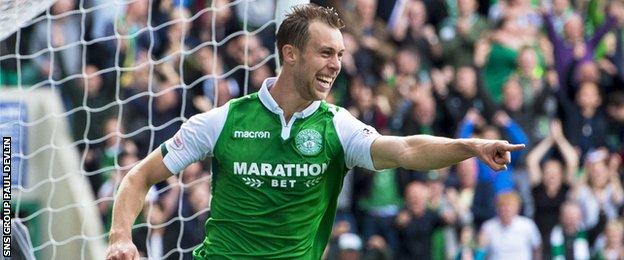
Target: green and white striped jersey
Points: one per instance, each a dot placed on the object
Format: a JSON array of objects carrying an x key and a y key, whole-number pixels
[{"x": 275, "y": 183}]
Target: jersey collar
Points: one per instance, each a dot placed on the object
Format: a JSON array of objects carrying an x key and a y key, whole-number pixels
[{"x": 268, "y": 101}]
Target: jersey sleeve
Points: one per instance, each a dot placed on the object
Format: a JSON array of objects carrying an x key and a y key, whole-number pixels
[
  {"x": 356, "y": 139},
  {"x": 195, "y": 140}
]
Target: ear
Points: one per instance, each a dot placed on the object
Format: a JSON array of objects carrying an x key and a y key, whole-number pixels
[{"x": 290, "y": 53}]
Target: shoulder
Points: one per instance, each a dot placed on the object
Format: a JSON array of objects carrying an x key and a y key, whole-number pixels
[
  {"x": 331, "y": 109},
  {"x": 338, "y": 113},
  {"x": 246, "y": 99},
  {"x": 490, "y": 224},
  {"x": 525, "y": 223},
  {"x": 211, "y": 116}
]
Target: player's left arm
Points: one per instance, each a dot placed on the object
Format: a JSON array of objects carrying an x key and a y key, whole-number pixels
[{"x": 425, "y": 152}]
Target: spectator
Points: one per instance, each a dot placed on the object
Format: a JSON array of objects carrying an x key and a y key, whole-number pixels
[
  {"x": 107, "y": 191},
  {"x": 522, "y": 11},
  {"x": 104, "y": 13},
  {"x": 417, "y": 222},
  {"x": 350, "y": 240},
  {"x": 94, "y": 91},
  {"x": 379, "y": 199},
  {"x": 134, "y": 43},
  {"x": 443, "y": 239},
  {"x": 502, "y": 54},
  {"x": 510, "y": 236},
  {"x": 367, "y": 109},
  {"x": 466, "y": 94},
  {"x": 412, "y": 30},
  {"x": 62, "y": 34},
  {"x": 568, "y": 239},
  {"x": 513, "y": 105},
  {"x": 618, "y": 57},
  {"x": 185, "y": 229},
  {"x": 612, "y": 243},
  {"x": 503, "y": 180},
  {"x": 459, "y": 34},
  {"x": 349, "y": 247},
  {"x": 615, "y": 112},
  {"x": 468, "y": 246},
  {"x": 573, "y": 47},
  {"x": 369, "y": 31},
  {"x": 423, "y": 118},
  {"x": 377, "y": 249},
  {"x": 600, "y": 189},
  {"x": 178, "y": 37},
  {"x": 530, "y": 74},
  {"x": 585, "y": 121},
  {"x": 472, "y": 200},
  {"x": 242, "y": 53},
  {"x": 408, "y": 79},
  {"x": 561, "y": 12},
  {"x": 204, "y": 74},
  {"x": 550, "y": 181},
  {"x": 150, "y": 244},
  {"x": 256, "y": 15},
  {"x": 205, "y": 28}
]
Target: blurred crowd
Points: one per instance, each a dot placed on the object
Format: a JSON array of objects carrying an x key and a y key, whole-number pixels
[{"x": 548, "y": 74}]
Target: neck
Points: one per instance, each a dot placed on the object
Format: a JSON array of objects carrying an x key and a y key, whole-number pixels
[
  {"x": 552, "y": 190},
  {"x": 570, "y": 230},
  {"x": 588, "y": 112},
  {"x": 287, "y": 97},
  {"x": 506, "y": 222},
  {"x": 465, "y": 15}
]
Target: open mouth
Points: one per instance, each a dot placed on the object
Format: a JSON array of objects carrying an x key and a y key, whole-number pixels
[{"x": 325, "y": 81}]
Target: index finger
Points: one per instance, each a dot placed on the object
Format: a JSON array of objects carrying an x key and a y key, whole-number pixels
[{"x": 513, "y": 147}]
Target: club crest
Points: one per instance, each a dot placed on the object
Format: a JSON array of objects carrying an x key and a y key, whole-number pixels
[{"x": 309, "y": 142}]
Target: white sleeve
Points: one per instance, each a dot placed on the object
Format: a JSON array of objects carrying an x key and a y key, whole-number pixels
[
  {"x": 195, "y": 140},
  {"x": 356, "y": 139}
]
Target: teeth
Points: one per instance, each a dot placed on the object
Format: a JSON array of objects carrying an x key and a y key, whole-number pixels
[{"x": 324, "y": 79}]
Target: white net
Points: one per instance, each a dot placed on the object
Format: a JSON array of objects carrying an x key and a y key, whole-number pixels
[{"x": 89, "y": 87}]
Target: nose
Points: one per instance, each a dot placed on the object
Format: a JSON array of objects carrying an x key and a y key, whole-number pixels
[{"x": 335, "y": 64}]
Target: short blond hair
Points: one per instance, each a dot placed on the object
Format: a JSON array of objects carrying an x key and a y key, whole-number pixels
[{"x": 508, "y": 197}]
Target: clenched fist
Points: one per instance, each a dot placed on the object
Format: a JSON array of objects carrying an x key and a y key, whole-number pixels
[{"x": 122, "y": 250}]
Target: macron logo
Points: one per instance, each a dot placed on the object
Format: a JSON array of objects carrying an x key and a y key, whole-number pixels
[{"x": 252, "y": 134}]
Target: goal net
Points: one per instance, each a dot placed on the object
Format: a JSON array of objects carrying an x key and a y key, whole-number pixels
[{"x": 89, "y": 87}]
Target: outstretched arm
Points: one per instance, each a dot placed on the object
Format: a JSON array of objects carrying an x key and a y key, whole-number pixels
[
  {"x": 129, "y": 202},
  {"x": 424, "y": 152}
]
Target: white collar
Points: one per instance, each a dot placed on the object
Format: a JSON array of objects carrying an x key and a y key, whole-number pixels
[{"x": 268, "y": 101}]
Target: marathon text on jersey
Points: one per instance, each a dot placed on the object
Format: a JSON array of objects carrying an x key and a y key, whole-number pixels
[{"x": 285, "y": 170}]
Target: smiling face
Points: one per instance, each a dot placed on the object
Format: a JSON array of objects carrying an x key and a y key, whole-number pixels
[{"x": 317, "y": 65}]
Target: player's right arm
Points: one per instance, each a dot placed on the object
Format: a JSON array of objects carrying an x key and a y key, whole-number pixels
[
  {"x": 194, "y": 141},
  {"x": 129, "y": 202}
]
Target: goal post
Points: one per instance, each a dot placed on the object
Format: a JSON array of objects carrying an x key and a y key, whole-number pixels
[{"x": 47, "y": 173}]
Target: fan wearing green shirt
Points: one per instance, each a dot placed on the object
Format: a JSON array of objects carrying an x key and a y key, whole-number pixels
[{"x": 279, "y": 156}]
